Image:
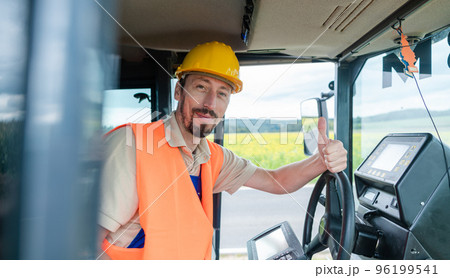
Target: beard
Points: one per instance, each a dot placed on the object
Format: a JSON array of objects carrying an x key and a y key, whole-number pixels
[{"x": 196, "y": 126}]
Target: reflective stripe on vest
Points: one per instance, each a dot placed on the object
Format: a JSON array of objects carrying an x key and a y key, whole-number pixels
[{"x": 176, "y": 224}]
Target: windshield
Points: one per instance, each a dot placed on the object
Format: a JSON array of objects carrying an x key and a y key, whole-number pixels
[{"x": 387, "y": 101}]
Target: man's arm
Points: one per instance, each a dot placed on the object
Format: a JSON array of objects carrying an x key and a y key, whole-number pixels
[
  {"x": 118, "y": 197},
  {"x": 291, "y": 177}
]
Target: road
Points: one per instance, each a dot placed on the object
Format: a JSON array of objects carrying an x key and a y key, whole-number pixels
[{"x": 249, "y": 212}]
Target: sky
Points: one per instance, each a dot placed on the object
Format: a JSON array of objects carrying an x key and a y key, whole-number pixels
[
  {"x": 372, "y": 99},
  {"x": 276, "y": 91},
  {"x": 119, "y": 107}
]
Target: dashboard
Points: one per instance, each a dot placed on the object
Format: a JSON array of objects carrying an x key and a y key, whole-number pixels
[{"x": 403, "y": 192}]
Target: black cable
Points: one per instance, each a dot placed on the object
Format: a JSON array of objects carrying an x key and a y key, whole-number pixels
[{"x": 435, "y": 128}]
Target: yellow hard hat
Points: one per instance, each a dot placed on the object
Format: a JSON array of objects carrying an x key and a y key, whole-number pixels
[{"x": 215, "y": 58}]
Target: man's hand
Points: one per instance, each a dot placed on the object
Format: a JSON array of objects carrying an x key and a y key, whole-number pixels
[
  {"x": 332, "y": 152},
  {"x": 292, "y": 177}
]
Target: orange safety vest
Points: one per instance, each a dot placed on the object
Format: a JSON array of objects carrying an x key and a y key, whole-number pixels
[{"x": 176, "y": 224}]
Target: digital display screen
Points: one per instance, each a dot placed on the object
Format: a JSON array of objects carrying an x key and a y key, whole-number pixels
[
  {"x": 390, "y": 156},
  {"x": 271, "y": 244}
]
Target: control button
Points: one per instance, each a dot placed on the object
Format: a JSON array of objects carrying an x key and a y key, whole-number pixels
[
  {"x": 407, "y": 155},
  {"x": 378, "y": 174},
  {"x": 383, "y": 175},
  {"x": 407, "y": 162},
  {"x": 369, "y": 163},
  {"x": 396, "y": 169},
  {"x": 370, "y": 171},
  {"x": 413, "y": 147},
  {"x": 282, "y": 258},
  {"x": 394, "y": 203},
  {"x": 402, "y": 162},
  {"x": 288, "y": 257}
]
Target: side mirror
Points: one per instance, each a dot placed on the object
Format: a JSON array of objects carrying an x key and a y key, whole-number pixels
[
  {"x": 142, "y": 96},
  {"x": 311, "y": 110}
]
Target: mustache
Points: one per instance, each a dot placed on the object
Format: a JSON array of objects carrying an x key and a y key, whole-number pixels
[{"x": 205, "y": 111}]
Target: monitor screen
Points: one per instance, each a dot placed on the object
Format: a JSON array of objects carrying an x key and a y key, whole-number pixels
[
  {"x": 390, "y": 156},
  {"x": 271, "y": 244}
]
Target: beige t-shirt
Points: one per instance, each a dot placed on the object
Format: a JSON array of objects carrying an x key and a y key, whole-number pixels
[{"x": 118, "y": 210}]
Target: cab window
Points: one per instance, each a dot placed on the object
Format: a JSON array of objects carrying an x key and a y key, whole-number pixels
[
  {"x": 386, "y": 101},
  {"x": 254, "y": 125},
  {"x": 125, "y": 106}
]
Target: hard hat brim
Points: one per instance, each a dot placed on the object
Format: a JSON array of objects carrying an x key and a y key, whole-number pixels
[{"x": 235, "y": 83}]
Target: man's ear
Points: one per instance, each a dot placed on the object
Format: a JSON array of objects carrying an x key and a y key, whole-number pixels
[{"x": 178, "y": 90}]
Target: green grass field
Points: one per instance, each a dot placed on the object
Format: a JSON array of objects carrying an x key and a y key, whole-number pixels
[
  {"x": 268, "y": 150},
  {"x": 272, "y": 150}
]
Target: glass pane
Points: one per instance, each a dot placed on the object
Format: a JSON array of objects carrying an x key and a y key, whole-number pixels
[
  {"x": 125, "y": 106},
  {"x": 13, "y": 58},
  {"x": 263, "y": 125},
  {"x": 386, "y": 101},
  {"x": 310, "y": 120},
  {"x": 173, "y": 84}
]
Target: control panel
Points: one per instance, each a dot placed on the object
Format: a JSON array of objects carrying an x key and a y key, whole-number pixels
[
  {"x": 391, "y": 158},
  {"x": 403, "y": 190},
  {"x": 276, "y": 243},
  {"x": 378, "y": 178},
  {"x": 381, "y": 200}
]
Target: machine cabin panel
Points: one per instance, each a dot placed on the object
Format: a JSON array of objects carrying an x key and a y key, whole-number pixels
[{"x": 397, "y": 186}]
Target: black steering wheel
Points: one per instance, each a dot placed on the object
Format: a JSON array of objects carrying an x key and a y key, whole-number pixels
[{"x": 337, "y": 225}]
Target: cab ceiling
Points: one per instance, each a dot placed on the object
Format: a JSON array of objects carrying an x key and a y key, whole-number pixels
[{"x": 312, "y": 28}]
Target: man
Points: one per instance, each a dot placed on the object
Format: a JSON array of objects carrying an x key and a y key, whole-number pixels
[{"x": 157, "y": 186}]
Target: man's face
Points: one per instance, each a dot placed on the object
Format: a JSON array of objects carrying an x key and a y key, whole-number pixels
[{"x": 202, "y": 104}]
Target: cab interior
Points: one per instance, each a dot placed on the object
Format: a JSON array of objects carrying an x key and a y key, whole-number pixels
[{"x": 346, "y": 33}]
